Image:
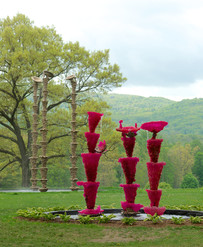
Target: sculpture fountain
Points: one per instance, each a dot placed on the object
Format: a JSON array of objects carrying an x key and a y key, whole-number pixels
[
  {"x": 91, "y": 162},
  {"x": 129, "y": 168},
  {"x": 154, "y": 167}
]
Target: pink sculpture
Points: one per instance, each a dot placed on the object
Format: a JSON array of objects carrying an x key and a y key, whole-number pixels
[
  {"x": 92, "y": 139},
  {"x": 128, "y": 143},
  {"x": 93, "y": 120},
  {"x": 130, "y": 191},
  {"x": 154, "y": 147},
  {"x": 154, "y": 173},
  {"x": 129, "y": 168},
  {"x": 91, "y": 162},
  {"x": 90, "y": 192},
  {"x": 154, "y": 197},
  {"x": 154, "y": 168}
]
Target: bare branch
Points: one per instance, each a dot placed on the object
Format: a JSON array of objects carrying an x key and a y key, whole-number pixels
[
  {"x": 9, "y": 138},
  {"x": 57, "y": 156},
  {"x": 10, "y": 162},
  {"x": 7, "y": 126},
  {"x": 7, "y": 152},
  {"x": 56, "y": 137},
  {"x": 9, "y": 94},
  {"x": 58, "y": 103}
]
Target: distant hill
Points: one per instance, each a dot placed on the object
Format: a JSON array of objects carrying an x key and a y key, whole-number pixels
[{"x": 184, "y": 117}]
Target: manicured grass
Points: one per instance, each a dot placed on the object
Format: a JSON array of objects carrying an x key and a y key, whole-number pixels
[{"x": 15, "y": 232}]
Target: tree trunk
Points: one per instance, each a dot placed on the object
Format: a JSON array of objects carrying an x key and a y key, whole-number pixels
[{"x": 26, "y": 173}]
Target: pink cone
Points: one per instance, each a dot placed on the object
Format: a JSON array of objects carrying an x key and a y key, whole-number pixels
[
  {"x": 154, "y": 197},
  {"x": 154, "y": 147},
  {"x": 128, "y": 143},
  {"x": 130, "y": 191},
  {"x": 93, "y": 120},
  {"x": 129, "y": 168},
  {"x": 154, "y": 173},
  {"x": 92, "y": 139},
  {"x": 154, "y": 210},
  {"x": 91, "y": 162},
  {"x": 133, "y": 206},
  {"x": 90, "y": 192}
]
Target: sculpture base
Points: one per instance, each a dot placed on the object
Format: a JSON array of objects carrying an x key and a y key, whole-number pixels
[
  {"x": 74, "y": 188},
  {"x": 154, "y": 210},
  {"x": 127, "y": 206},
  {"x": 129, "y": 212},
  {"x": 92, "y": 212},
  {"x": 43, "y": 189}
]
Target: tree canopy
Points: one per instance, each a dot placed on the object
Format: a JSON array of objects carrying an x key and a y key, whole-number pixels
[{"x": 26, "y": 51}]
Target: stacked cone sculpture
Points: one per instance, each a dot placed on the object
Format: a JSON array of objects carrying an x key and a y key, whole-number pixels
[
  {"x": 91, "y": 162},
  {"x": 154, "y": 167},
  {"x": 128, "y": 165}
]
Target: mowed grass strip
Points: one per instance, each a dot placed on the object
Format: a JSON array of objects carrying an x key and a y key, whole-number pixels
[{"x": 15, "y": 232}]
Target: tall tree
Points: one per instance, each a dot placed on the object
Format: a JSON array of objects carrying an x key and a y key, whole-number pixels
[
  {"x": 197, "y": 169},
  {"x": 182, "y": 158},
  {"x": 27, "y": 50}
]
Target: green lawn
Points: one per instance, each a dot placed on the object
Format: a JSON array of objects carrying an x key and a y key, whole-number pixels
[{"x": 15, "y": 232}]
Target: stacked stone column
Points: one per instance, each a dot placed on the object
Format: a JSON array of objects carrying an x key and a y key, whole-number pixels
[
  {"x": 34, "y": 158},
  {"x": 73, "y": 169}
]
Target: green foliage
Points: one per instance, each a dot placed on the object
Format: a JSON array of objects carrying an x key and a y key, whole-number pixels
[
  {"x": 177, "y": 220},
  {"x": 27, "y": 51},
  {"x": 164, "y": 185},
  {"x": 182, "y": 156},
  {"x": 128, "y": 221},
  {"x": 197, "y": 169},
  {"x": 184, "y": 116},
  {"x": 186, "y": 207},
  {"x": 85, "y": 219},
  {"x": 154, "y": 218},
  {"x": 48, "y": 216},
  {"x": 190, "y": 181},
  {"x": 195, "y": 219},
  {"x": 104, "y": 218},
  {"x": 64, "y": 217}
]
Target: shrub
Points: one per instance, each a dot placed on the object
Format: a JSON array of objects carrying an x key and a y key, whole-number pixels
[
  {"x": 105, "y": 218},
  {"x": 128, "y": 221},
  {"x": 164, "y": 185},
  {"x": 85, "y": 219},
  {"x": 154, "y": 218},
  {"x": 195, "y": 220},
  {"x": 177, "y": 220},
  {"x": 189, "y": 181}
]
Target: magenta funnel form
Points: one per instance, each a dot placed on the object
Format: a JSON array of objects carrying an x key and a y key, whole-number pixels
[
  {"x": 128, "y": 143},
  {"x": 154, "y": 173},
  {"x": 154, "y": 147},
  {"x": 154, "y": 197},
  {"x": 130, "y": 191},
  {"x": 91, "y": 162},
  {"x": 92, "y": 139},
  {"x": 129, "y": 168},
  {"x": 90, "y": 192},
  {"x": 93, "y": 120}
]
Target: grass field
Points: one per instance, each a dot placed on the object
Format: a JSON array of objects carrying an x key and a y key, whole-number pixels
[{"x": 15, "y": 232}]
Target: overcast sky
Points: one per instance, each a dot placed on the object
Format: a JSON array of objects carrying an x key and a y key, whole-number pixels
[{"x": 158, "y": 44}]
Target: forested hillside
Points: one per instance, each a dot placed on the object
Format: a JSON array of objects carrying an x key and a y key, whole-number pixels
[{"x": 184, "y": 117}]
